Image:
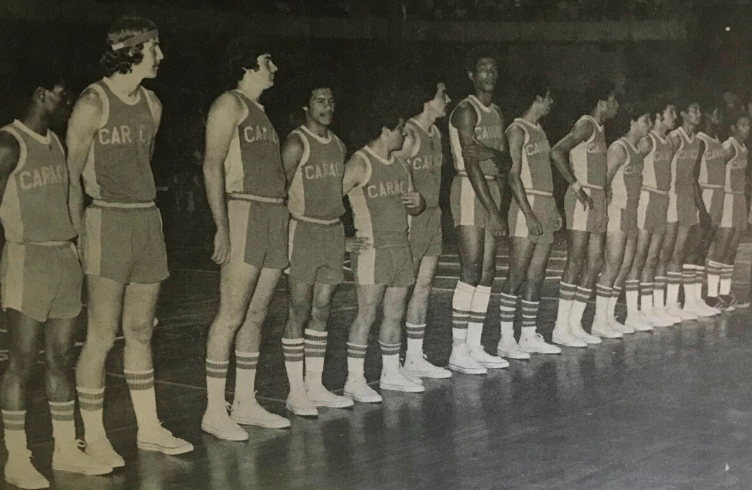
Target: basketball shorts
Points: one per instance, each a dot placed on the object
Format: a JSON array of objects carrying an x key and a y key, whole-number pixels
[
  {"x": 317, "y": 252},
  {"x": 734, "y": 211},
  {"x": 544, "y": 208},
  {"x": 713, "y": 199},
  {"x": 125, "y": 244},
  {"x": 622, "y": 219},
  {"x": 391, "y": 266},
  {"x": 425, "y": 234},
  {"x": 591, "y": 220},
  {"x": 41, "y": 281},
  {"x": 466, "y": 207},
  {"x": 682, "y": 208},
  {"x": 258, "y": 233},
  {"x": 652, "y": 212}
]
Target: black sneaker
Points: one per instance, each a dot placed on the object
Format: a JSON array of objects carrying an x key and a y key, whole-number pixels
[{"x": 715, "y": 302}]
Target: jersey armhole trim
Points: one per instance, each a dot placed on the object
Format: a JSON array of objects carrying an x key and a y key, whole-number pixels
[
  {"x": 104, "y": 119},
  {"x": 369, "y": 170},
  {"x": 23, "y": 152},
  {"x": 306, "y": 149},
  {"x": 148, "y": 95},
  {"x": 243, "y": 105}
]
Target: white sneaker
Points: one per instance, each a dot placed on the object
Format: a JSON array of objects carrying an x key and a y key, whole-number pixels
[
  {"x": 251, "y": 413},
  {"x": 101, "y": 450},
  {"x": 635, "y": 322},
  {"x": 511, "y": 350},
  {"x": 618, "y": 327},
  {"x": 358, "y": 390},
  {"x": 487, "y": 360},
  {"x": 666, "y": 316},
  {"x": 321, "y": 397},
  {"x": 648, "y": 318},
  {"x": 563, "y": 336},
  {"x": 580, "y": 334},
  {"x": 20, "y": 472},
  {"x": 535, "y": 344},
  {"x": 696, "y": 308},
  {"x": 605, "y": 329},
  {"x": 703, "y": 307},
  {"x": 299, "y": 404},
  {"x": 461, "y": 361},
  {"x": 676, "y": 311},
  {"x": 219, "y": 424},
  {"x": 70, "y": 458},
  {"x": 159, "y": 439},
  {"x": 396, "y": 381},
  {"x": 419, "y": 367}
]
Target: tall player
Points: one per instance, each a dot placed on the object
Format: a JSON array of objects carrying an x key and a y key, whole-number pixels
[
  {"x": 314, "y": 160},
  {"x": 111, "y": 142},
  {"x": 581, "y": 158},
  {"x": 41, "y": 280},
  {"x": 423, "y": 153},
  {"x": 380, "y": 189},
  {"x": 245, "y": 186},
  {"x": 533, "y": 220},
  {"x": 479, "y": 148}
]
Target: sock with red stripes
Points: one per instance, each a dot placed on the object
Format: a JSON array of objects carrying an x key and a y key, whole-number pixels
[
  {"x": 727, "y": 273},
  {"x": 507, "y": 308},
  {"x": 415, "y": 334},
  {"x": 602, "y": 298},
  {"x": 389, "y": 358},
  {"x": 91, "y": 403},
  {"x": 216, "y": 382},
  {"x": 461, "y": 303},
  {"x": 529, "y": 318},
  {"x": 292, "y": 350},
  {"x": 659, "y": 292},
  {"x": 615, "y": 294},
  {"x": 315, "y": 352},
  {"x": 673, "y": 280},
  {"x": 141, "y": 387},
  {"x": 245, "y": 377},
  {"x": 566, "y": 298},
  {"x": 581, "y": 297},
  {"x": 356, "y": 358},
  {"x": 632, "y": 287},
  {"x": 646, "y": 297},
  {"x": 478, "y": 310},
  {"x": 63, "y": 424},
  {"x": 714, "y": 278},
  {"x": 14, "y": 431}
]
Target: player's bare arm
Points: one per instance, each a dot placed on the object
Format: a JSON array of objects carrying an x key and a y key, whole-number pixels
[
  {"x": 516, "y": 141},
  {"x": 356, "y": 173},
  {"x": 156, "y": 111},
  {"x": 581, "y": 131},
  {"x": 616, "y": 158},
  {"x": 10, "y": 153},
  {"x": 221, "y": 124},
  {"x": 292, "y": 153},
  {"x": 414, "y": 202}
]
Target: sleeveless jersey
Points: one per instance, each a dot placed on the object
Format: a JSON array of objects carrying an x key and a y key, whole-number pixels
[
  {"x": 536, "y": 162},
  {"x": 426, "y": 163},
  {"x": 656, "y": 171},
  {"x": 712, "y": 163},
  {"x": 316, "y": 188},
  {"x": 685, "y": 159},
  {"x": 488, "y": 130},
  {"x": 254, "y": 164},
  {"x": 118, "y": 168},
  {"x": 35, "y": 204},
  {"x": 736, "y": 168},
  {"x": 588, "y": 158},
  {"x": 627, "y": 182},
  {"x": 378, "y": 211}
]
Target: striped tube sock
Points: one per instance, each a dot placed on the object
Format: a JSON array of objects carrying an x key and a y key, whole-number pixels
[
  {"x": 714, "y": 278},
  {"x": 727, "y": 273},
  {"x": 646, "y": 297},
  {"x": 292, "y": 350},
  {"x": 566, "y": 298},
  {"x": 461, "y": 303},
  {"x": 245, "y": 376},
  {"x": 356, "y": 358},
  {"x": 415, "y": 334},
  {"x": 91, "y": 403},
  {"x": 478, "y": 310},
  {"x": 673, "y": 280},
  {"x": 659, "y": 292},
  {"x": 529, "y": 317},
  {"x": 581, "y": 297},
  {"x": 688, "y": 281},
  {"x": 141, "y": 387},
  {"x": 216, "y": 380},
  {"x": 63, "y": 424},
  {"x": 507, "y": 307},
  {"x": 615, "y": 294},
  {"x": 699, "y": 277},
  {"x": 389, "y": 357},
  {"x": 315, "y": 351},
  {"x": 602, "y": 298},
  {"x": 632, "y": 286},
  {"x": 14, "y": 430}
]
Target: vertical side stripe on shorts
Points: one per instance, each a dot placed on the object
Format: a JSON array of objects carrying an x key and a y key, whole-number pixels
[
  {"x": 291, "y": 238},
  {"x": 467, "y": 202},
  {"x": 579, "y": 216},
  {"x": 521, "y": 229},
  {"x": 234, "y": 175},
  {"x": 727, "y": 220},
  {"x": 14, "y": 277},
  {"x": 673, "y": 213},
  {"x": 707, "y": 198},
  {"x": 642, "y": 208},
  {"x": 93, "y": 242},
  {"x": 614, "y": 219},
  {"x": 237, "y": 216},
  {"x": 367, "y": 266}
]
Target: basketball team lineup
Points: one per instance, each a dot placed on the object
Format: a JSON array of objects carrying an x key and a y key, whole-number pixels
[{"x": 652, "y": 217}]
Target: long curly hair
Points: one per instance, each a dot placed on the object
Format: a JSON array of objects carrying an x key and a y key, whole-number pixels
[{"x": 122, "y": 60}]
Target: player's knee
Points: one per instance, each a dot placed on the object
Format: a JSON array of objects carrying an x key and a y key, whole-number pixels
[
  {"x": 139, "y": 331},
  {"x": 652, "y": 262},
  {"x": 299, "y": 311},
  {"x": 21, "y": 366},
  {"x": 576, "y": 262},
  {"x": 100, "y": 341},
  {"x": 59, "y": 359}
]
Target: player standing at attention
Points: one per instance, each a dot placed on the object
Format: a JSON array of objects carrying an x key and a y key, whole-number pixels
[
  {"x": 110, "y": 142},
  {"x": 625, "y": 163},
  {"x": 479, "y": 148},
  {"x": 381, "y": 193},
  {"x": 41, "y": 279},
  {"x": 314, "y": 160},
  {"x": 533, "y": 220},
  {"x": 245, "y": 187},
  {"x": 423, "y": 153},
  {"x": 581, "y": 158}
]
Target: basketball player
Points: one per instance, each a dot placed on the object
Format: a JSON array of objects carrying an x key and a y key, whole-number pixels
[
  {"x": 533, "y": 219},
  {"x": 314, "y": 160},
  {"x": 651, "y": 223},
  {"x": 111, "y": 141},
  {"x": 245, "y": 186},
  {"x": 479, "y": 148},
  {"x": 41, "y": 280},
  {"x": 423, "y": 153},
  {"x": 581, "y": 158},
  {"x": 625, "y": 164},
  {"x": 379, "y": 187}
]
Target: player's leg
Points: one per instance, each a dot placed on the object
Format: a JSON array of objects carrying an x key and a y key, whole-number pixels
[
  {"x": 637, "y": 314},
  {"x": 521, "y": 251},
  {"x": 727, "y": 271},
  {"x": 613, "y": 258},
  {"x": 390, "y": 341},
  {"x": 300, "y": 302},
  {"x": 723, "y": 238},
  {"x": 530, "y": 339},
  {"x": 697, "y": 255},
  {"x": 656, "y": 315},
  {"x": 587, "y": 281},
  {"x": 687, "y": 270},
  {"x": 675, "y": 273},
  {"x": 673, "y": 277},
  {"x": 369, "y": 298},
  {"x": 691, "y": 275},
  {"x": 577, "y": 255}
]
